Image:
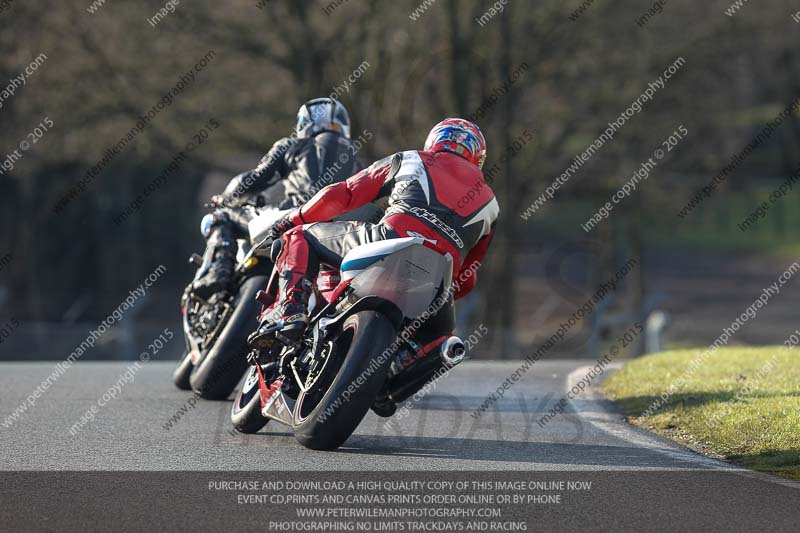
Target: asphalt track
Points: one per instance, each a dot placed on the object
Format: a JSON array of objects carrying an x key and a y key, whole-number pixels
[{"x": 439, "y": 433}]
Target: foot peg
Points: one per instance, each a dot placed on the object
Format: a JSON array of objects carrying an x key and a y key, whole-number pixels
[
  {"x": 453, "y": 351},
  {"x": 264, "y": 337},
  {"x": 283, "y": 333}
]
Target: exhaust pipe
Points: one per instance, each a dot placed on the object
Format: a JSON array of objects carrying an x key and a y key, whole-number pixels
[{"x": 453, "y": 351}]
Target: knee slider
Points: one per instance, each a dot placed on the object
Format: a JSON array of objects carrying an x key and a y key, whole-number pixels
[
  {"x": 211, "y": 220},
  {"x": 206, "y": 224}
]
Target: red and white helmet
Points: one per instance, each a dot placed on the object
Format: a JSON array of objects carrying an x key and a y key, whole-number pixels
[{"x": 460, "y": 136}]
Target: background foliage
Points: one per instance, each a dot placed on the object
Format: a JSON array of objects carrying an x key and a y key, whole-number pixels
[{"x": 105, "y": 69}]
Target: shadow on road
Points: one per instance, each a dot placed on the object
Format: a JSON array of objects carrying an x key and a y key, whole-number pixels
[{"x": 509, "y": 451}]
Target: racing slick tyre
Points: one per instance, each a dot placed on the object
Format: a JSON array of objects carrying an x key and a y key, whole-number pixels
[
  {"x": 180, "y": 377},
  {"x": 217, "y": 374},
  {"x": 246, "y": 411},
  {"x": 326, "y": 415}
]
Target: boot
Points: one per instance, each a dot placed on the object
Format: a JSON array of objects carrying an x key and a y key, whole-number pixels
[
  {"x": 289, "y": 319},
  {"x": 223, "y": 263}
]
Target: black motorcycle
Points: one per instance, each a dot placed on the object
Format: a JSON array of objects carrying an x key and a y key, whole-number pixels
[{"x": 216, "y": 328}]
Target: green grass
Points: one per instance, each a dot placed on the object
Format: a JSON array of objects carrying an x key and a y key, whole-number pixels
[{"x": 713, "y": 413}]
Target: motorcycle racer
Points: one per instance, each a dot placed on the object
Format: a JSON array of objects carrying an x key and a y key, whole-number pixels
[
  {"x": 438, "y": 194},
  {"x": 320, "y": 152}
]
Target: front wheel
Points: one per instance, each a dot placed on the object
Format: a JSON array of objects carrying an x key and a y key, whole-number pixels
[
  {"x": 333, "y": 407},
  {"x": 180, "y": 377},
  {"x": 246, "y": 411}
]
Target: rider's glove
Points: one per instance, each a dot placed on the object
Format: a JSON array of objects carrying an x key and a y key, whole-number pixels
[
  {"x": 281, "y": 227},
  {"x": 219, "y": 200}
]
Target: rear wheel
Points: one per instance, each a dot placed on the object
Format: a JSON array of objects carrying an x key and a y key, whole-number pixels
[
  {"x": 333, "y": 407},
  {"x": 181, "y": 374},
  {"x": 215, "y": 377},
  {"x": 246, "y": 411}
]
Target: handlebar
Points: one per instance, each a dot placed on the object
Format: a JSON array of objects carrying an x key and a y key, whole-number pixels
[{"x": 219, "y": 200}]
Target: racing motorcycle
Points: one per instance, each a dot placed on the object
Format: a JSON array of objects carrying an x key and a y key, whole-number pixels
[
  {"x": 216, "y": 328},
  {"x": 355, "y": 348}
]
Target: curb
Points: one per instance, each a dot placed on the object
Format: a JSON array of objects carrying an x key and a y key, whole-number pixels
[{"x": 605, "y": 416}]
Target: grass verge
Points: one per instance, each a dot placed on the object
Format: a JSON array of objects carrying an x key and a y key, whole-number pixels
[{"x": 741, "y": 404}]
